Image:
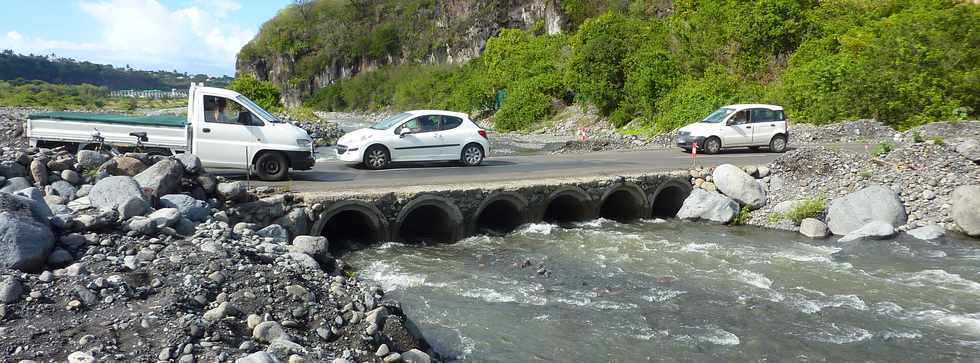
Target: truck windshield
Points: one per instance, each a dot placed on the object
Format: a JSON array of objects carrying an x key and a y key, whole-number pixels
[
  {"x": 265, "y": 115},
  {"x": 391, "y": 121},
  {"x": 718, "y": 116}
]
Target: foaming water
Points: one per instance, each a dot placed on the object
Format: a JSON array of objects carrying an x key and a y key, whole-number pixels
[{"x": 675, "y": 291}]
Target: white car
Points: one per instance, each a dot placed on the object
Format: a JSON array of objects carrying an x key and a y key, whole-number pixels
[
  {"x": 742, "y": 125},
  {"x": 421, "y": 135}
]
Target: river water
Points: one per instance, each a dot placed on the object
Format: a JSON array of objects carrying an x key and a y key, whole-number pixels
[{"x": 670, "y": 290}]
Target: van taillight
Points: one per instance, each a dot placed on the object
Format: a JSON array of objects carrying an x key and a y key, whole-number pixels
[{"x": 483, "y": 133}]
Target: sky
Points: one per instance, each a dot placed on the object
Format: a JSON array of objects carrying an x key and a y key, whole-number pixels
[{"x": 194, "y": 36}]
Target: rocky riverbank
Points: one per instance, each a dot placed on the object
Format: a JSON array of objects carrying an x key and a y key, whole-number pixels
[
  {"x": 144, "y": 258},
  {"x": 926, "y": 183}
]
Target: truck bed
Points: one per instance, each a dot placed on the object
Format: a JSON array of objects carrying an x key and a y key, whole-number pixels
[{"x": 167, "y": 132}]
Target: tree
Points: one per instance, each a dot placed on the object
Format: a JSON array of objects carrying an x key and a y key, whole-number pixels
[{"x": 263, "y": 93}]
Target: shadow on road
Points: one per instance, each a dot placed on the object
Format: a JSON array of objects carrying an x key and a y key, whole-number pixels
[{"x": 435, "y": 164}]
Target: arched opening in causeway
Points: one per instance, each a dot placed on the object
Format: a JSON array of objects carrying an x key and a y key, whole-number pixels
[
  {"x": 668, "y": 199},
  {"x": 623, "y": 204},
  {"x": 429, "y": 220},
  {"x": 351, "y": 225},
  {"x": 500, "y": 214},
  {"x": 567, "y": 206}
]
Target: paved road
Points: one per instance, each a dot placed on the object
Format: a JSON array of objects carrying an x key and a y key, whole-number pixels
[{"x": 336, "y": 176}]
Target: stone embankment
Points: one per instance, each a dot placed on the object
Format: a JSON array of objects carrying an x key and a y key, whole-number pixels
[
  {"x": 144, "y": 258},
  {"x": 928, "y": 184}
]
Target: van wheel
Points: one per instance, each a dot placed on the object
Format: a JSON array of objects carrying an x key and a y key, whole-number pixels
[
  {"x": 271, "y": 167},
  {"x": 377, "y": 157},
  {"x": 778, "y": 144},
  {"x": 712, "y": 145},
  {"x": 472, "y": 155}
]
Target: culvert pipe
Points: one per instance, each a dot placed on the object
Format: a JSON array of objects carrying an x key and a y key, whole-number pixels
[
  {"x": 668, "y": 198},
  {"x": 429, "y": 219},
  {"x": 567, "y": 205},
  {"x": 625, "y": 202},
  {"x": 350, "y": 225},
  {"x": 500, "y": 213}
]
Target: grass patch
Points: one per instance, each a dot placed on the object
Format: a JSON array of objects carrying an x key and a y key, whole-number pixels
[
  {"x": 807, "y": 208},
  {"x": 882, "y": 148},
  {"x": 938, "y": 140},
  {"x": 743, "y": 216},
  {"x": 90, "y": 172}
]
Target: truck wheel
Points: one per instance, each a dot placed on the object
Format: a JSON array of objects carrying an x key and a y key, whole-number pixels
[
  {"x": 778, "y": 144},
  {"x": 472, "y": 155},
  {"x": 376, "y": 157},
  {"x": 712, "y": 145},
  {"x": 271, "y": 167}
]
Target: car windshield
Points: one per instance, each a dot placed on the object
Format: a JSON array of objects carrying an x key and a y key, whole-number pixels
[
  {"x": 391, "y": 121},
  {"x": 718, "y": 116},
  {"x": 265, "y": 115}
]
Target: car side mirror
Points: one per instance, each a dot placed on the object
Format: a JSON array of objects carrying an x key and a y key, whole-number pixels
[
  {"x": 245, "y": 118},
  {"x": 404, "y": 131}
]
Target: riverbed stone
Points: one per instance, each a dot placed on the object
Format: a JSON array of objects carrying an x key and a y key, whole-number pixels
[
  {"x": 89, "y": 159},
  {"x": 10, "y": 289},
  {"x": 231, "y": 191},
  {"x": 162, "y": 178},
  {"x": 193, "y": 209},
  {"x": 112, "y": 191},
  {"x": 929, "y": 232},
  {"x": 64, "y": 189},
  {"x": 190, "y": 162},
  {"x": 25, "y": 243},
  {"x": 872, "y": 230},
  {"x": 268, "y": 331},
  {"x": 39, "y": 171},
  {"x": 415, "y": 356},
  {"x": 739, "y": 185},
  {"x": 709, "y": 206},
  {"x": 966, "y": 209},
  {"x": 16, "y": 183},
  {"x": 970, "y": 148},
  {"x": 258, "y": 357},
  {"x": 875, "y": 203},
  {"x": 813, "y": 228},
  {"x": 71, "y": 176},
  {"x": 274, "y": 231},
  {"x": 125, "y": 166},
  {"x": 12, "y": 169},
  {"x": 315, "y": 246}
]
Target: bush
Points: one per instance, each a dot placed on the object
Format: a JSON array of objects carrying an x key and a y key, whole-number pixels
[
  {"x": 882, "y": 148},
  {"x": 743, "y": 216},
  {"x": 263, "y": 93},
  {"x": 595, "y": 70},
  {"x": 525, "y": 105}
]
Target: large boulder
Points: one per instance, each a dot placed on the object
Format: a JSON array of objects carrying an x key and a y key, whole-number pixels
[
  {"x": 872, "y": 230},
  {"x": 162, "y": 178},
  {"x": 231, "y": 191},
  {"x": 125, "y": 165},
  {"x": 207, "y": 182},
  {"x": 813, "y": 228},
  {"x": 315, "y": 246},
  {"x": 274, "y": 231},
  {"x": 970, "y": 148},
  {"x": 296, "y": 222},
  {"x": 191, "y": 163},
  {"x": 38, "y": 205},
  {"x": 88, "y": 159},
  {"x": 16, "y": 183},
  {"x": 709, "y": 206},
  {"x": 739, "y": 185},
  {"x": 966, "y": 209},
  {"x": 115, "y": 190},
  {"x": 193, "y": 209},
  {"x": 25, "y": 242},
  {"x": 874, "y": 203}
]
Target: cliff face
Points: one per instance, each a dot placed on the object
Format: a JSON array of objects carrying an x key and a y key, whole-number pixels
[{"x": 439, "y": 32}]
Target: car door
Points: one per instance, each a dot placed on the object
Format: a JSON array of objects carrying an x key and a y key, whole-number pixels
[
  {"x": 450, "y": 137},
  {"x": 420, "y": 143},
  {"x": 763, "y": 125},
  {"x": 221, "y": 141},
  {"x": 738, "y": 130}
]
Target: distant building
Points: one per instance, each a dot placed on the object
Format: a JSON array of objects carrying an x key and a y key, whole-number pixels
[{"x": 150, "y": 93}]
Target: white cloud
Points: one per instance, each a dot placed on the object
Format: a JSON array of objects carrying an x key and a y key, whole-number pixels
[{"x": 146, "y": 34}]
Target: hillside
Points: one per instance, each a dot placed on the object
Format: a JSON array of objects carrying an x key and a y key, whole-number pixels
[
  {"x": 57, "y": 70},
  {"x": 647, "y": 65}
]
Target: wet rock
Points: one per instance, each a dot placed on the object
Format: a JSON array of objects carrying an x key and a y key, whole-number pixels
[
  {"x": 813, "y": 228},
  {"x": 872, "y": 204},
  {"x": 739, "y": 185},
  {"x": 190, "y": 208},
  {"x": 709, "y": 206},
  {"x": 926, "y": 233},
  {"x": 398, "y": 336},
  {"x": 90, "y": 159},
  {"x": 10, "y": 289},
  {"x": 115, "y": 190},
  {"x": 872, "y": 230},
  {"x": 162, "y": 178},
  {"x": 966, "y": 209}
]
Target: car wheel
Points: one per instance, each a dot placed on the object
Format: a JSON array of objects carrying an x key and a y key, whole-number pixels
[
  {"x": 712, "y": 145},
  {"x": 271, "y": 167},
  {"x": 472, "y": 155},
  {"x": 377, "y": 157},
  {"x": 778, "y": 144}
]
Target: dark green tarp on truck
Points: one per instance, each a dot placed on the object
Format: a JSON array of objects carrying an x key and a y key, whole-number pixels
[{"x": 162, "y": 120}]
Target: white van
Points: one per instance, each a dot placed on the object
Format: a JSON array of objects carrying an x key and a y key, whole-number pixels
[{"x": 742, "y": 125}]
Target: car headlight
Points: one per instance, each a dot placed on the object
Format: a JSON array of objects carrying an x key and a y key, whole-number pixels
[{"x": 304, "y": 142}]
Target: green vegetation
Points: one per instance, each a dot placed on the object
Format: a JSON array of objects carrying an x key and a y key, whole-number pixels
[
  {"x": 904, "y": 62},
  {"x": 743, "y": 216},
  {"x": 917, "y": 137},
  {"x": 807, "y": 208},
  {"x": 938, "y": 140},
  {"x": 20, "y": 93},
  {"x": 882, "y": 148},
  {"x": 263, "y": 93}
]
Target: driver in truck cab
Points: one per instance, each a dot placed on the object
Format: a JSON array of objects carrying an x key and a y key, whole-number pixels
[{"x": 214, "y": 109}]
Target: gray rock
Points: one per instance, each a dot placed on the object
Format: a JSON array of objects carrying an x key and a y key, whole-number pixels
[
  {"x": 296, "y": 222},
  {"x": 132, "y": 207},
  {"x": 813, "y": 228},
  {"x": 966, "y": 209},
  {"x": 970, "y": 148},
  {"x": 88, "y": 159},
  {"x": 71, "y": 176},
  {"x": 25, "y": 243},
  {"x": 258, "y": 357},
  {"x": 185, "y": 227},
  {"x": 872, "y": 204},
  {"x": 739, "y": 185},
  {"x": 872, "y": 230},
  {"x": 38, "y": 205},
  {"x": 926, "y": 233},
  {"x": 59, "y": 258},
  {"x": 143, "y": 225},
  {"x": 11, "y": 169},
  {"x": 709, "y": 206},
  {"x": 763, "y": 171},
  {"x": 39, "y": 172},
  {"x": 415, "y": 356},
  {"x": 165, "y": 217},
  {"x": 231, "y": 191},
  {"x": 64, "y": 189},
  {"x": 162, "y": 178},
  {"x": 315, "y": 246},
  {"x": 193, "y": 209},
  {"x": 275, "y": 232},
  {"x": 10, "y": 289},
  {"x": 268, "y": 331},
  {"x": 304, "y": 260},
  {"x": 190, "y": 162},
  {"x": 81, "y": 357},
  {"x": 87, "y": 297},
  {"x": 786, "y": 206},
  {"x": 223, "y": 310},
  {"x": 112, "y": 191},
  {"x": 285, "y": 347},
  {"x": 83, "y": 190},
  {"x": 207, "y": 182},
  {"x": 16, "y": 183}
]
